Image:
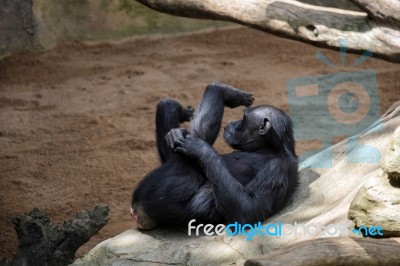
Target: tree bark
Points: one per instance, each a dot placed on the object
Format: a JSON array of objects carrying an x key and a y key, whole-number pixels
[
  {"x": 371, "y": 30},
  {"x": 337, "y": 251},
  {"x": 42, "y": 242},
  {"x": 387, "y": 12}
]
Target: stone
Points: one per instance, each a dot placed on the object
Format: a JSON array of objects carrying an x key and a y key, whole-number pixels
[
  {"x": 391, "y": 158},
  {"x": 377, "y": 203}
]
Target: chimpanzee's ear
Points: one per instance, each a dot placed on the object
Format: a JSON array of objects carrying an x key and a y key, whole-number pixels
[{"x": 265, "y": 126}]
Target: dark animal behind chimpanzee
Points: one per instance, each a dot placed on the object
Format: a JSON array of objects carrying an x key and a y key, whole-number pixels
[{"x": 195, "y": 182}]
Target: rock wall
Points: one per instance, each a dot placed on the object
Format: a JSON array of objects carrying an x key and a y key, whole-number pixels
[
  {"x": 17, "y": 26},
  {"x": 27, "y": 25}
]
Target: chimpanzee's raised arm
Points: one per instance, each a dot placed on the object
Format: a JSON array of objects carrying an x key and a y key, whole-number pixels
[{"x": 208, "y": 115}]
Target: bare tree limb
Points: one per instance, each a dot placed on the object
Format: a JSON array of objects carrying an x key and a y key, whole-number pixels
[
  {"x": 387, "y": 12},
  {"x": 335, "y": 252},
  {"x": 321, "y": 26}
]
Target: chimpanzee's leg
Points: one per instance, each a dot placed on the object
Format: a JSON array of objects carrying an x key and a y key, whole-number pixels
[
  {"x": 208, "y": 116},
  {"x": 169, "y": 115}
]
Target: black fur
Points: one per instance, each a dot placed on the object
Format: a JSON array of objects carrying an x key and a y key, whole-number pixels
[{"x": 195, "y": 182}]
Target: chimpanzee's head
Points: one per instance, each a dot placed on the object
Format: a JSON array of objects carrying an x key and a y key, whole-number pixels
[{"x": 263, "y": 126}]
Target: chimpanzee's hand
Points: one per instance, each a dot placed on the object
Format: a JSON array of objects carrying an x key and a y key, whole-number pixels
[
  {"x": 174, "y": 134},
  {"x": 186, "y": 114},
  {"x": 192, "y": 147}
]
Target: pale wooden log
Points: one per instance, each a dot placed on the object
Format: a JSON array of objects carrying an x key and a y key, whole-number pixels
[
  {"x": 321, "y": 26},
  {"x": 387, "y": 12}
]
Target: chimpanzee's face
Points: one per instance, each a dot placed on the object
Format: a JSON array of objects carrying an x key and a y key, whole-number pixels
[{"x": 248, "y": 134}]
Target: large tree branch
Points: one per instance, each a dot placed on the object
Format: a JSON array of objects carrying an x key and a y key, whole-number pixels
[
  {"x": 387, "y": 12},
  {"x": 317, "y": 25}
]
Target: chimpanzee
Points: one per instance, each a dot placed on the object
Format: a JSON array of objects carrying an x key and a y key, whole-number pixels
[{"x": 195, "y": 182}]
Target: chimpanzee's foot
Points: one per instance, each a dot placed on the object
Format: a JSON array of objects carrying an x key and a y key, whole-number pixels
[
  {"x": 234, "y": 97},
  {"x": 186, "y": 114}
]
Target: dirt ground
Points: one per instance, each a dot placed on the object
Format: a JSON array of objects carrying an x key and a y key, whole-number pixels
[{"x": 77, "y": 122}]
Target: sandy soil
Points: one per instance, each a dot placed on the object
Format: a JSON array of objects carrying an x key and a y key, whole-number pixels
[{"x": 77, "y": 122}]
